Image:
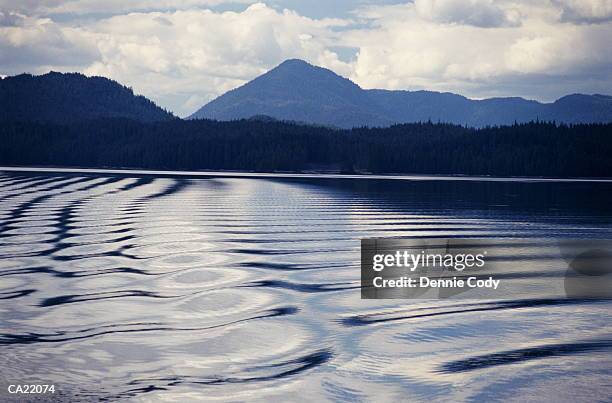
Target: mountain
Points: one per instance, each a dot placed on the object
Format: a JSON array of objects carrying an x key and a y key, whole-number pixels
[
  {"x": 70, "y": 97},
  {"x": 298, "y": 91}
]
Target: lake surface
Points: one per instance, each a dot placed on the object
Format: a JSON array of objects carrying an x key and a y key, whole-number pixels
[{"x": 153, "y": 288}]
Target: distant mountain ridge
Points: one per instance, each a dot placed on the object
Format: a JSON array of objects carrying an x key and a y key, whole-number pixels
[
  {"x": 298, "y": 91},
  {"x": 70, "y": 97}
]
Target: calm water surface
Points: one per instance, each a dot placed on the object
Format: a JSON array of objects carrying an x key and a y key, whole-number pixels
[{"x": 180, "y": 289}]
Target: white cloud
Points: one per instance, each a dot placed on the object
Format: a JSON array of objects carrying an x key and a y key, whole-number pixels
[
  {"x": 411, "y": 48},
  {"x": 199, "y": 50},
  {"x": 106, "y": 6},
  {"x": 27, "y": 41},
  {"x": 480, "y": 13},
  {"x": 586, "y": 11}
]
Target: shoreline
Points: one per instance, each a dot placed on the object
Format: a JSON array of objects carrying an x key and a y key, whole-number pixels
[{"x": 293, "y": 175}]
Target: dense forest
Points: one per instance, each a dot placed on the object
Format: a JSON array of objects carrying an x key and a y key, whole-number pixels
[
  {"x": 531, "y": 149},
  {"x": 69, "y": 97}
]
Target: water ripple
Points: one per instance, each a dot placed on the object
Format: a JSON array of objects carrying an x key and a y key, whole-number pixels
[
  {"x": 524, "y": 354},
  {"x": 182, "y": 289}
]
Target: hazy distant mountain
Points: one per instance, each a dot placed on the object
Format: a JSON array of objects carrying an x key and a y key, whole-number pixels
[
  {"x": 70, "y": 97},
  {"x": 298, "y": 91}
]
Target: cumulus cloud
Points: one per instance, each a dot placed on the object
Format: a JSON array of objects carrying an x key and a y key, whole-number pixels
[
  {"x": 35, "y": 44},
  {"x": 172, "y": 55},
  {"x": 586, "y": 11},
  {"x": 414, "y": 49},
  {"x": 106, "y": 6},
  {"x": 480, "y": 13}
]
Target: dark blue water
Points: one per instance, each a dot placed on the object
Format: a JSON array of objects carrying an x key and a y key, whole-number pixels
[{"x": 181, "y": 289}]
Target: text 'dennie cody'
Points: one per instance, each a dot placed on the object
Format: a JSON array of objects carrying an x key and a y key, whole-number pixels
[{"x": 489, "y": 268}]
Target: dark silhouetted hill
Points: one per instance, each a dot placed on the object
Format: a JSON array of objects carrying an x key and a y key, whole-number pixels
[
  {"x": 70, "y": 97},
  {"x": 298, "y": 91}
]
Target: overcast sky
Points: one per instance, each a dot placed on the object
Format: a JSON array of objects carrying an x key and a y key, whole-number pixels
[{"x": 182, "y": 54}]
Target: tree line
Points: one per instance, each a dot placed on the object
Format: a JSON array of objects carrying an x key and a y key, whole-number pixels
[{"x": 529, "y": 149}]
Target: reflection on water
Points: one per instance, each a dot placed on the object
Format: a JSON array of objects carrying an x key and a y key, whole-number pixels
[{"x": 243, "y": 288}]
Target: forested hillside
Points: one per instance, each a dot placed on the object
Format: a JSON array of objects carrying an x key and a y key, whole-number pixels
[{"x": 71, "y": 97}]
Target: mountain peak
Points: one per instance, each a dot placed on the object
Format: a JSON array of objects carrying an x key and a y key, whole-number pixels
[
  {"x": 292, "y": 69},
  {"x": 292, "y": 63}
]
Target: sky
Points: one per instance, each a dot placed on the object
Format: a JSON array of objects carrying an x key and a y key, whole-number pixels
[{"x": 182, "y": 54}]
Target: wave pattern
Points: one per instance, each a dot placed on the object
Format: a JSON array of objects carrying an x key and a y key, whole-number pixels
[{"x": 160, "y": 288}]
